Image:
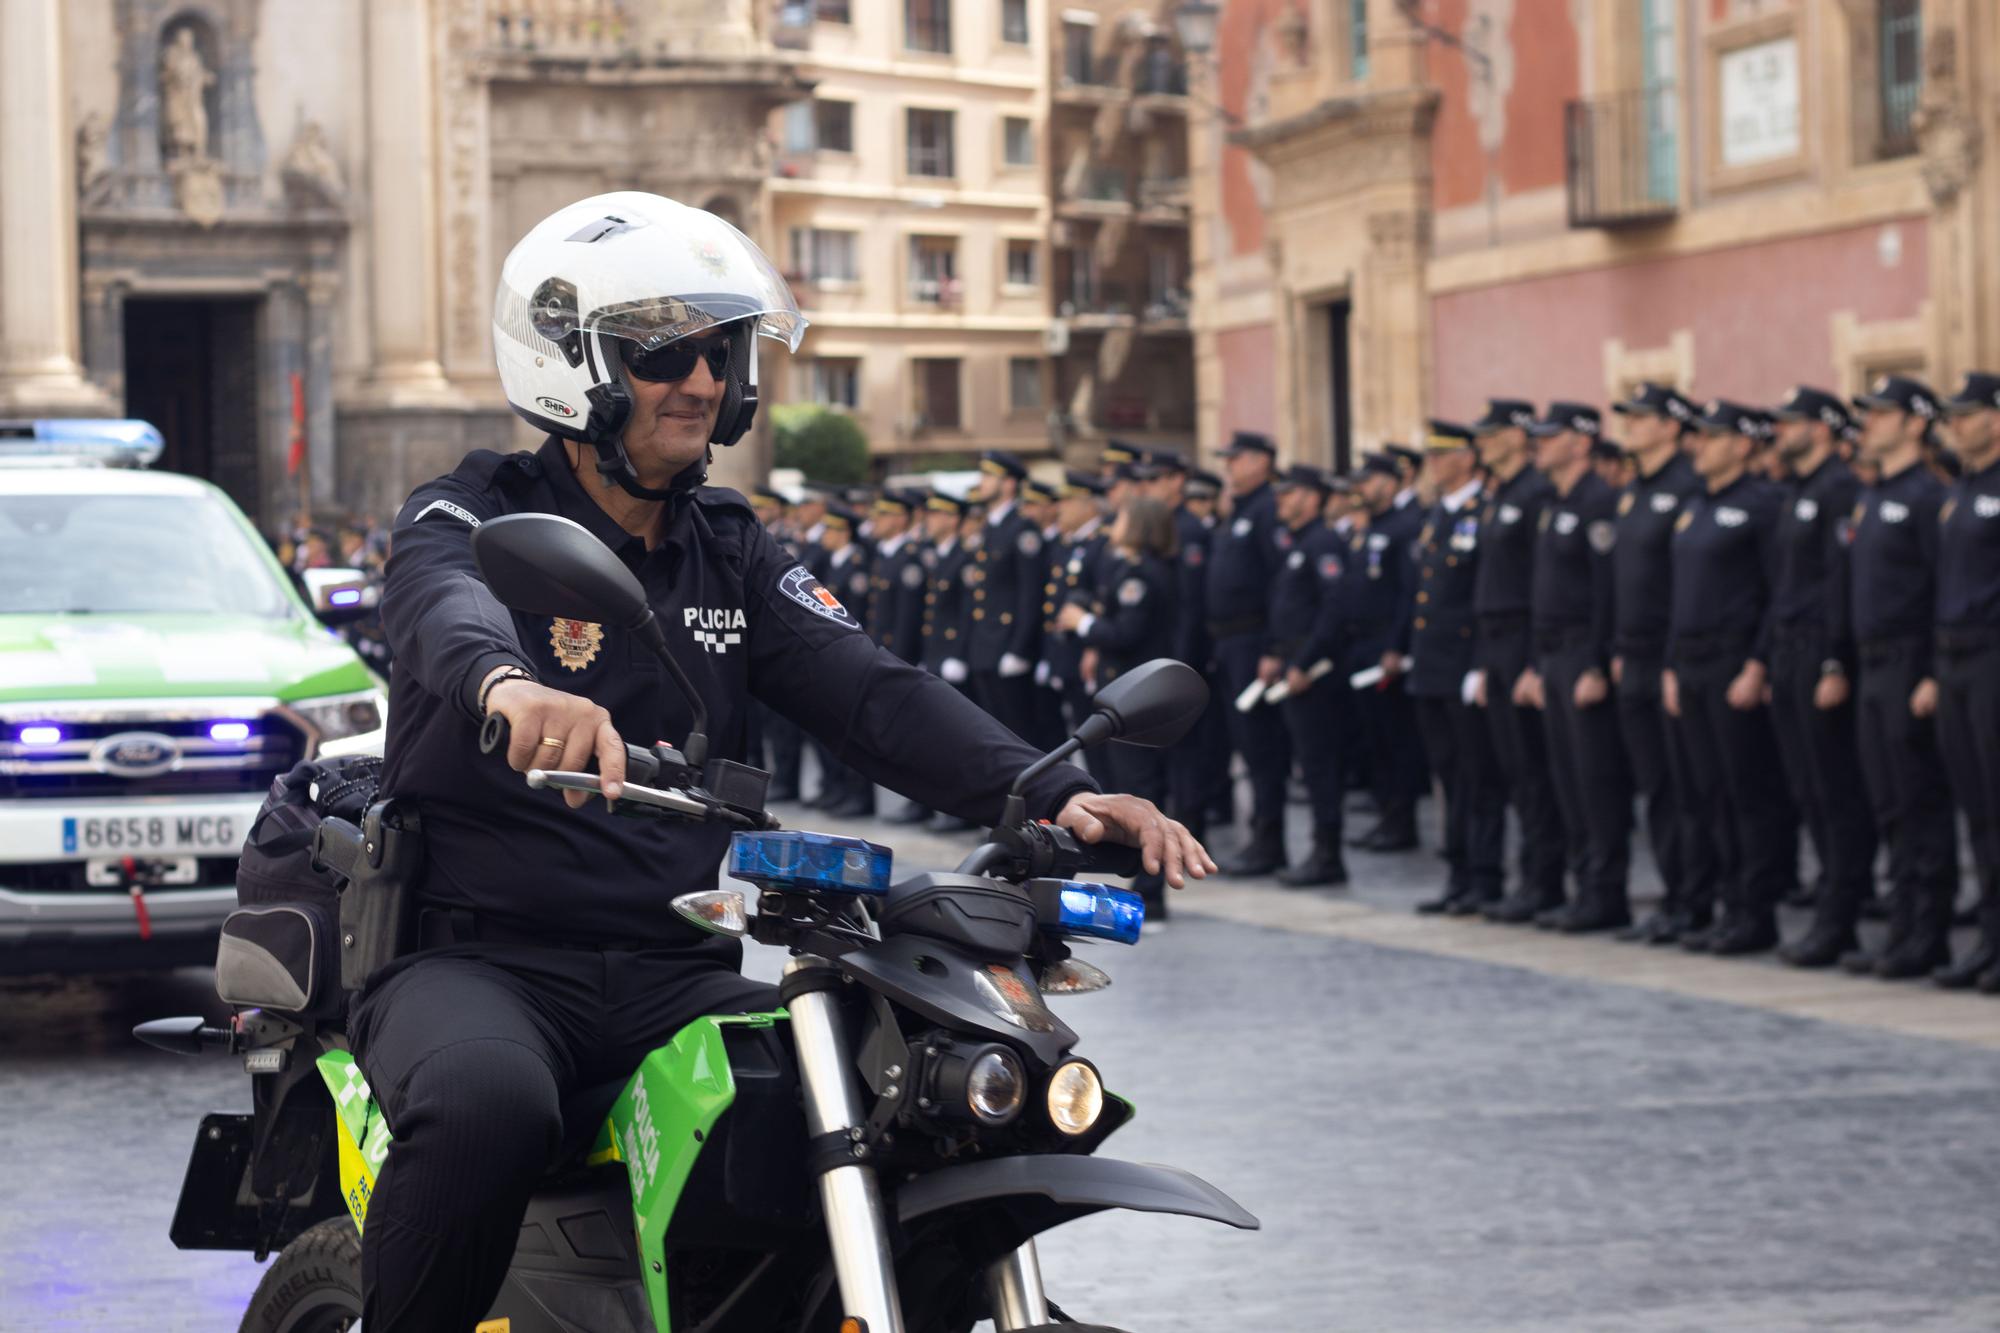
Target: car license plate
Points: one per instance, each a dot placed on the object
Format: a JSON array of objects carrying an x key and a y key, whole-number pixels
[{"x": 118, "y": 834}]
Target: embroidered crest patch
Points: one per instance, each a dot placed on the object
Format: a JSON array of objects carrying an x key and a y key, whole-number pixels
[
  {"x": 799, "y": 584},
  {"x": 575, "y": 642}
]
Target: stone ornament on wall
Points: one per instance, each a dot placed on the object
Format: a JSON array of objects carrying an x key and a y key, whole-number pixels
[
  {"x": 185, "y": 80},
  {"x": 1947, "y": 136},
  {"x": 312, "y": 177}
]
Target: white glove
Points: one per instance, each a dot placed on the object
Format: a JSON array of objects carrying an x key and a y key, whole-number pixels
[
  {"x": 1013, "y": 664},
  {"x": 953, "y": 671},
  {"x": 1041, "y": 673},
  {"x": 1468, "y": 690}
]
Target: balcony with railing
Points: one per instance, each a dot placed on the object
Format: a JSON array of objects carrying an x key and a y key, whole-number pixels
[
  {"x": 1159, "y": 74},
  {"x": 560, "y": 27},
  {"x": 1096, "y": 192},
  {"x": 1163, "y": 200},
  {"x": 1621, "y": 154}
]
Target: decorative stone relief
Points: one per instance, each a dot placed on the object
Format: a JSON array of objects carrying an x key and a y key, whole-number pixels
[
  {"x": 312, "y": 178},
  {"x": 1947, "y": 135}
]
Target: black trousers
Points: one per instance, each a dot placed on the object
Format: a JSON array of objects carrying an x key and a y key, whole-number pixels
[
  {"x": 1684, "y": 847},
  {"x": 471, "y": 1050},
  {"x": 1822, "y": 754},
  {"x": 1460, "y": 751},
  {"x": 1136, "y": 771},
  {"x": 783, "y": 742},
  {"x": 1734, "y": 767},
  {"x": 1259, "y": 735},
  {"x": 1906, "y": 784},
  {"x": 1312, "y": 722},
  {"x": 1968, "y": 729},
  {"x": 1523, "y": 756},
  {"x": 1395, "y": 764},
  {"x": 1593, "y": 785}
]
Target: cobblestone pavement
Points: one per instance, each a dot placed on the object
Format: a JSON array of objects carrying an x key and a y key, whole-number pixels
[{"x": 1442, "y": 1128}]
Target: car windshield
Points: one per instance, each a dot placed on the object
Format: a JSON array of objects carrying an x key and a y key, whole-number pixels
[{"x": 83, "y": 554}]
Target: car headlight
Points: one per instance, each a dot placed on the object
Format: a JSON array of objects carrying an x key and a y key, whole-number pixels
[
  {"x": 994, "y": 1086},
  {"x": 1075, "y": 1097},
  {"x": 337, "y": 716}
]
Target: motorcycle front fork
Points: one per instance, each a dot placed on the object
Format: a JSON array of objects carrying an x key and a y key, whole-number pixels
[{"x": 856, "y": 1226}]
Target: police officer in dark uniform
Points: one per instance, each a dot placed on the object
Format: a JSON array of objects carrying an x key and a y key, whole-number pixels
[
  {"x": 1243, "y": 560},
  {"x": 1725, "y": 555},
  {"x": 1677, "y": 823},
  {"x": 1305, "y": 663},
  {"x": 896, "y": 585},
  {"x": 947, "y": 609},
  {"x": 1130, "y": 624},
  {"x": 1372, "y": 599},
  {"x": 1892, "y": 554},
  {"x": 551, "y": 957},
  {"x": 771, "y": 734},
  {"x": 1811, "y": 700},
  {"x": 1005, "y": 575},
  {"x": 1076, "y": 573},
  {"x": 1502, "y": 594},
  {"x": 843, "y": 791},
  {"x": 1573, "y": 623},
  {"x": 1433, "y": 653},
  {"x": 1198, "y": 765},
  {"x": 1968, "y": 654}
]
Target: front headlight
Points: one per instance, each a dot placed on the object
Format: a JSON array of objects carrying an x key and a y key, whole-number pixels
[
  {"x": 337, "y": 716},
  {"x": 1075, "y": 1097},
  {"x": 995, "y": 1087}
]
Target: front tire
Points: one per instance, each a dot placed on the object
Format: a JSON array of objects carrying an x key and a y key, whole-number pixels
[{"x": 313, "y": 1286}]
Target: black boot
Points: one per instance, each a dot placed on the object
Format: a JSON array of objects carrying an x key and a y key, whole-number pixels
[
  {"x": 1454, "y": 893},
  {"x": 1596, "y": 912},
  {"x": 1744, "y": 933},
  {"x": 1863, "y": 962},
  {"x": 1985, "y": 955},
  {"x": 1263, "y": 853},
  {"x": 1928, "y": 945},
  {"x": 1831, "y": 936},
  {"x": 1523, "y": 905},
  {"x": 1323, "y": 867}
]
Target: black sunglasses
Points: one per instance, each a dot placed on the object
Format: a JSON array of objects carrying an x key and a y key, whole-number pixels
[{"x": 675, "y": 361}]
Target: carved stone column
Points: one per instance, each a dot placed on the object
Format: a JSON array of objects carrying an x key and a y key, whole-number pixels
[
  {"x": 402, "y": 211},
  {"x": 39, "y": 367},
  {"x": 1950, "y": 141},
  {"x": 322, "y": 290}
]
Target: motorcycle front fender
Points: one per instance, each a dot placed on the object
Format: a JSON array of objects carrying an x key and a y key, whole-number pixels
[{"x": 1064, "y": 1186}]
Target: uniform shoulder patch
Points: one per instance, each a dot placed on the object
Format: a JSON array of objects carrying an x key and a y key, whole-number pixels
[
  {"x": 1194, "y": 555},
  {"x": 1603, "y": 536},
  {"x": 1329, "y": 566},
  {"x": 450, "y": 510},
  {"x": 799, "y": 585},
  {"x": 1664, "y": 502},
  {"x": 1030, "y": 542},
  {"x": 913, "y": 575},
  {"x": 1131, "y": 592}
]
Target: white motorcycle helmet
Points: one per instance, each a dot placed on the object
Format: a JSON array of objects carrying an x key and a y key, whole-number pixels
[{"x": 617, "y": 277}]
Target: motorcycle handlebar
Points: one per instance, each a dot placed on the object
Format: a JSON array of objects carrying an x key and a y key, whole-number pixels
[{"x": 641, "y": 764}]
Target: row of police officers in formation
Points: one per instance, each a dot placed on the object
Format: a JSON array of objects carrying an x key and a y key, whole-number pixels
[{"x": 1744, "y": 622}]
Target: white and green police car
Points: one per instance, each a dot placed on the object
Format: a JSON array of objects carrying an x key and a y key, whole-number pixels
[{"x": 157, "y": 670}]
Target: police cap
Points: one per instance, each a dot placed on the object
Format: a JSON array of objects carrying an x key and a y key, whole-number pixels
[
  {"x": 1722, "y": 417},
  {"x": 1579, "y": 417},
  {"x": 1203, "y": 485},
  {"x": 1166, "y": 462},
  {"x": 1980, "y": 389},
  {"x": 1250, "y": 441},
  {"x": 1037, "y": 492},
  {"x": 1410, "y": 459},
  {"x": 1657, "y": 400},
  {"x": 938, "y": 502},
  {"x": 1303, "y": 474},
  {"x": 1118, "y": 451},
  {"x": 1380, "y": 463},
  {"x": 1900, "y": 393},
  {"x": 1080, "y": 481},
  {"x": 1000, "y": 463},
  {"x": 1805, "y": 403},
  {"x": 841, "y": 517},
  {"x": 1504, "y": 412},
  {"x": 1442, "y": 436}
]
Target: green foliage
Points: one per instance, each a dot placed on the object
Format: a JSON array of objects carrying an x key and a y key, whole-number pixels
[{"x": 821, "y": 443}]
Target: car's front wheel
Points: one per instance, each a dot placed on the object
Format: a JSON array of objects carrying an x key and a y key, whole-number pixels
[{"x": 313, "y": 1286}]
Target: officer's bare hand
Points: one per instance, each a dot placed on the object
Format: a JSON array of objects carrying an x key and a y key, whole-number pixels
[
  {"x": 1269, "y": 669},
  {"x": 1165, "y": 846},
  {"x": 1069, "y": 617},
  {"x": 550, "y": 729},
  {"x": 1617, "y": 671},
  {"x": 1923, "y": 699},
  {"x": 1591, "y": 689},
  {"x": 1528, "y": 689},
  {"x": 1296, "y": 681},
  {"x": 1830, "y": 693},
  {"x": 1392, "y": 663},
  {"x": 1750, "y": 688},
  {"x": 1670, "y": 693}
]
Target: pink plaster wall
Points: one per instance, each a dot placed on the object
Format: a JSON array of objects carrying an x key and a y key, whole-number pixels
[{"x": 1760, "y": 315}]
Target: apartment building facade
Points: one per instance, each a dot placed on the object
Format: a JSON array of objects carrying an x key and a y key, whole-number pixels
[
  {"x": 1408, "y": 206},
  {"x": 909, "y": 205}
]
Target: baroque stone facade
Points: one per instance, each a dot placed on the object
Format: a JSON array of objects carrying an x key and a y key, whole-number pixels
[{"x": 211, "y": 207}]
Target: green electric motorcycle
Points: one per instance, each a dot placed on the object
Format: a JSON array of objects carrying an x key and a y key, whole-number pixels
[{"x": 875, "y": 1157}]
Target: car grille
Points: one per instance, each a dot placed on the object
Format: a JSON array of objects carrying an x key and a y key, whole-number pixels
[{"x": 131, "y": 754}]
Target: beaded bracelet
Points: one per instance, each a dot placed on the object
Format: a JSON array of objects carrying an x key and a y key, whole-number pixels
[{"x": 510, "y": 673}]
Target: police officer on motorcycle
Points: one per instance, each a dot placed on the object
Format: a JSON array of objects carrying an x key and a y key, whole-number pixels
[{"x": 626, "y": 326}]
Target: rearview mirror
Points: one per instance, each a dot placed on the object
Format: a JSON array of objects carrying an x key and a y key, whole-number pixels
[
  {"x": 550, "y": 566},
  {"x": 1153, "y": 705}
]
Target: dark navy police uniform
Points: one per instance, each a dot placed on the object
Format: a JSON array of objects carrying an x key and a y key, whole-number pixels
[
  {"x": 565, "y": 962},
  {"x": 1243, "y": 560}
]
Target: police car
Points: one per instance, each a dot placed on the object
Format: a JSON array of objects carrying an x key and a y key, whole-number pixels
[{"x": 157, "y": 670}]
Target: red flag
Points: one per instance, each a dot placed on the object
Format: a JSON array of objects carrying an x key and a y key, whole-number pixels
[{"x": 297, "y": 458}]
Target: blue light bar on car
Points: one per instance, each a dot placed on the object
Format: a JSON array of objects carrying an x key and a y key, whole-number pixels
[
  {"x": 127, "y": 443},
  {"x": 795, "y": 859},
  {"x": 1097, "y": 912}
]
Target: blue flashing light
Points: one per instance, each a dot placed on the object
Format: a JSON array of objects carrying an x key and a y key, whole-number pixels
[
  {"x": 344, "y": 597},
  {"x": 796, "y": 859},
  {"x": 41, "y": 734},
  {"x": 1098, "y": 912},
  {"x": 128, "y": 442},
  {"x": 229, "y": 732}
]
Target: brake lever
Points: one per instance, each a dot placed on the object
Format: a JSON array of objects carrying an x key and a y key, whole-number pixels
[{"x": 671, "y": 801}]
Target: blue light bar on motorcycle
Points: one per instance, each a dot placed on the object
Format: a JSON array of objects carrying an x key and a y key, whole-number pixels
[
  {"x": 117, "y": 443},
  {"x": 1097, "y": 912},
  {"x": 794, "y": 859}
]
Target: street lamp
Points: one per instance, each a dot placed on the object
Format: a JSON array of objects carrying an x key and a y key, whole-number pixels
[{"x": 1194, "y": 22}]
